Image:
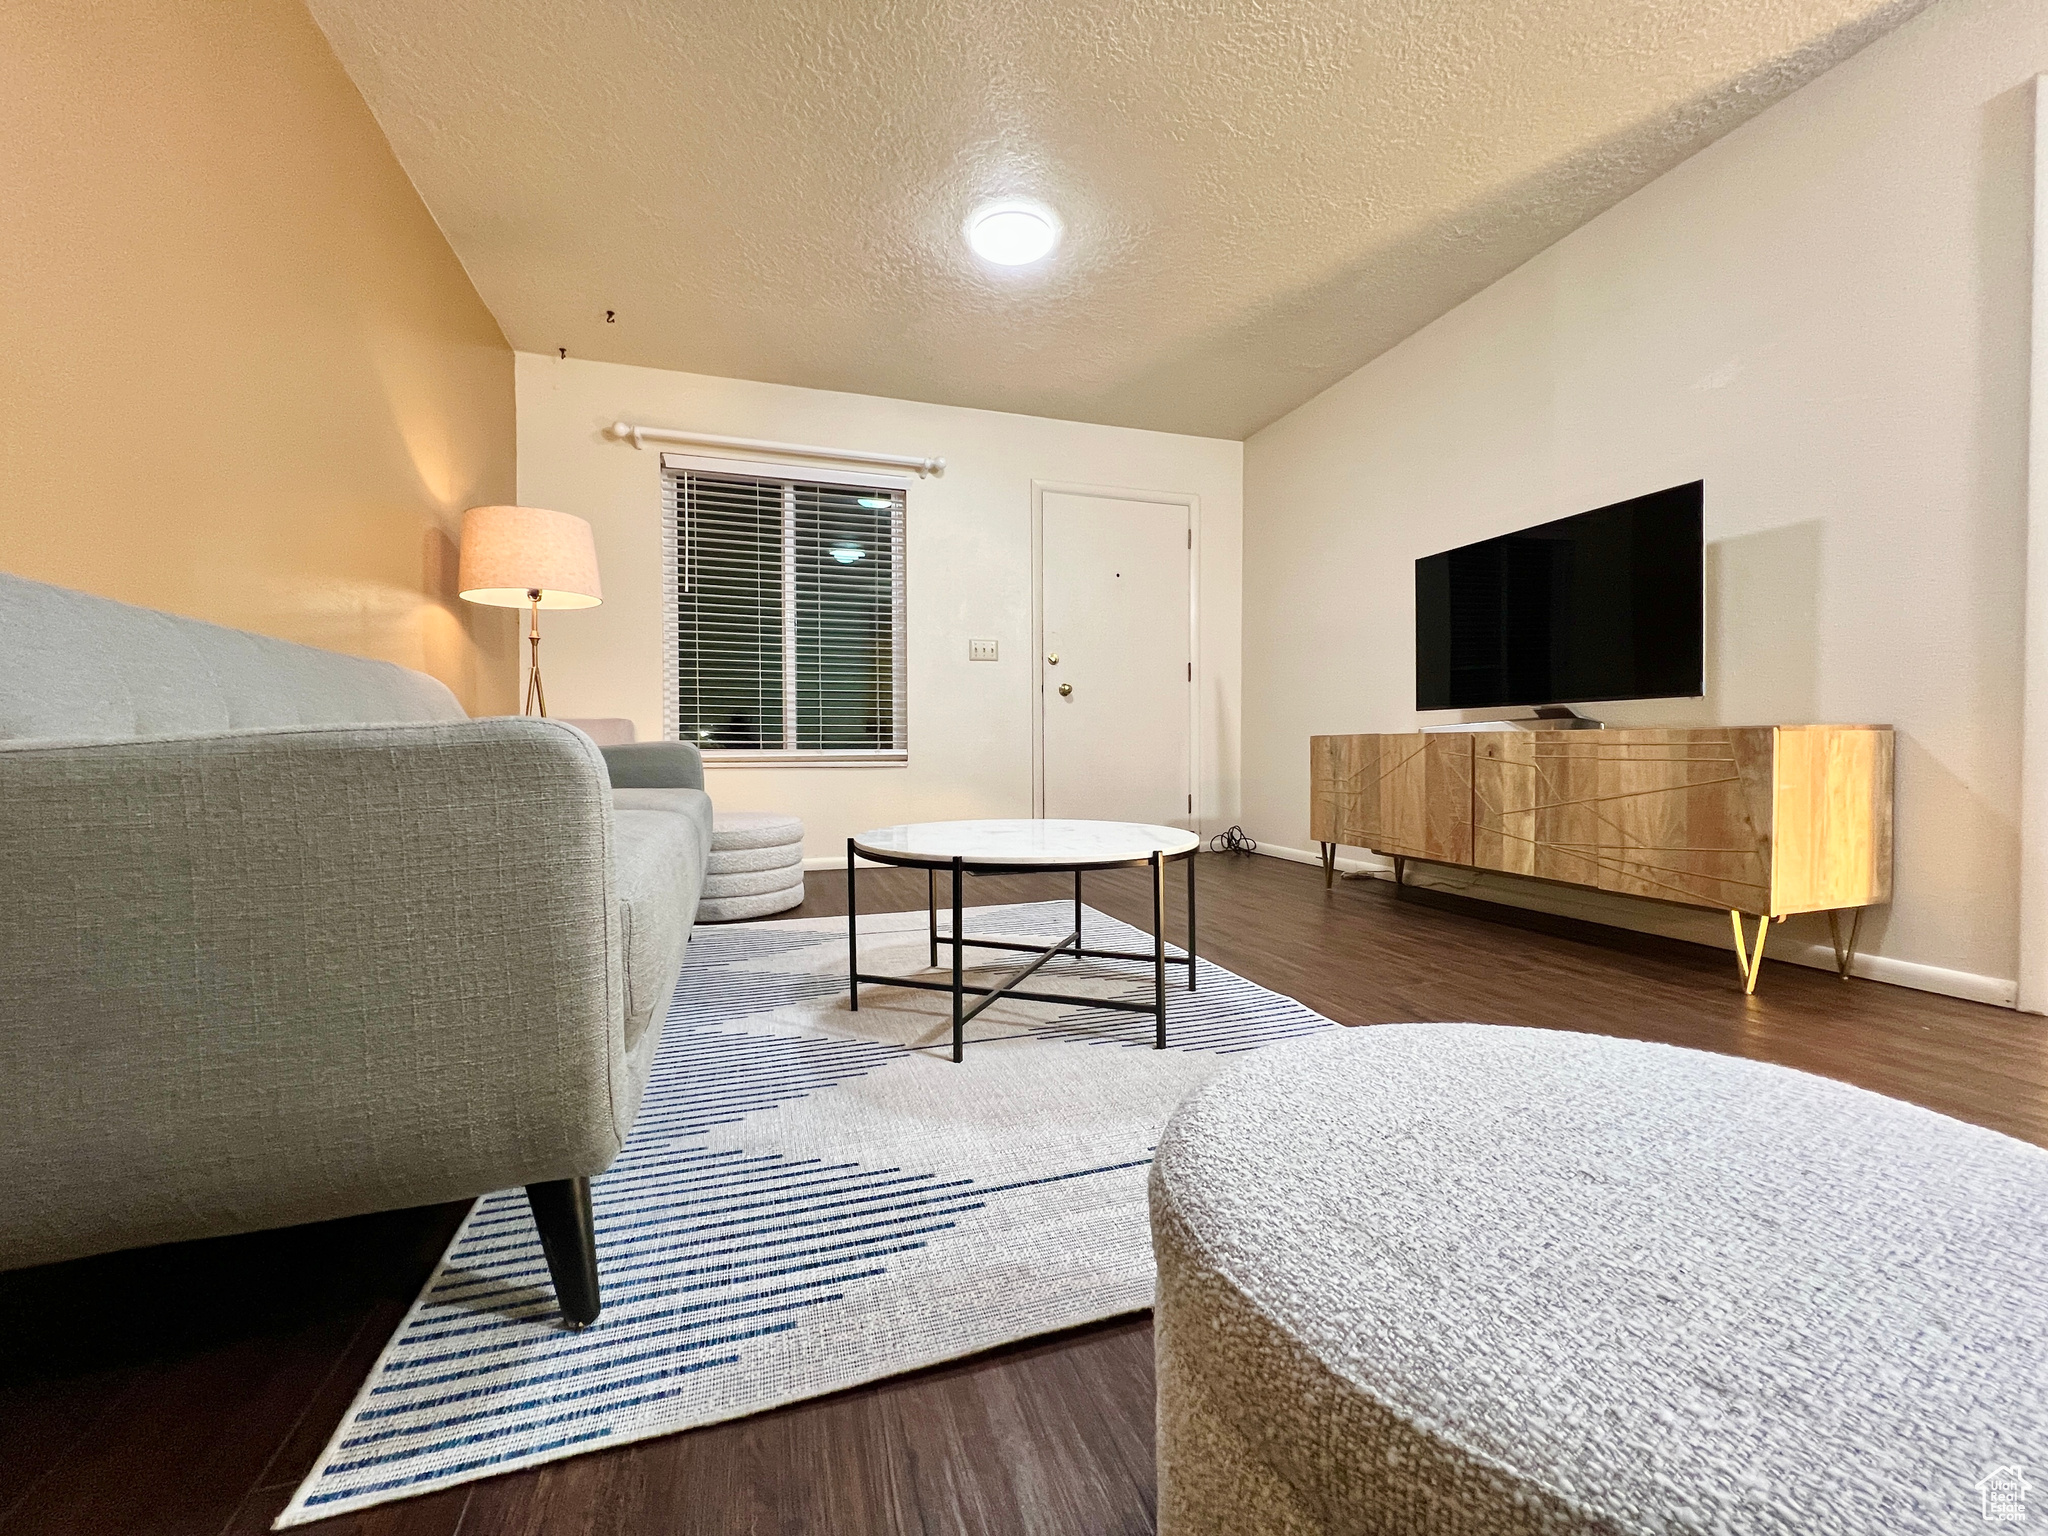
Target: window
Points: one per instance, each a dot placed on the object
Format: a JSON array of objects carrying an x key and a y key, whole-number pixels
[{"x": 787, "y": 591}]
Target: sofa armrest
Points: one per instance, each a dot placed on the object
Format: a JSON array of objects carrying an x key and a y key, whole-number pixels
[
  {"x": 655, "y": 765},
  {"x": 275, "y": 976}
]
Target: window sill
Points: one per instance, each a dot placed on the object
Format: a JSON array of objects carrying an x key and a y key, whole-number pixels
[{"x": 781, "y": 759}]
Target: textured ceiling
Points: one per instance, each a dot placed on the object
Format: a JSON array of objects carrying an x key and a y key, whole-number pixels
[{"x": 1259, "y": 196}]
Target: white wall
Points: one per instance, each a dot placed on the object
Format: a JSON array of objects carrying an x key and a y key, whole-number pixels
[
  {"x": 969, "y": 574},
  {"x": 1826, "y": 316},
  {"x": 2033, "y": 927}
]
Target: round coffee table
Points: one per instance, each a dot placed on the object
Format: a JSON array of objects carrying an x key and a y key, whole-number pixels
[{"x": 1024, "y": 847}]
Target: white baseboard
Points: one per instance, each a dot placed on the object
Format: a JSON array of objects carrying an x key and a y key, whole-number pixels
[
  {"x": 1372, "y": 863},
  {"x": 1562, "y": 901},
  {"x": 1967, "y": 985}
]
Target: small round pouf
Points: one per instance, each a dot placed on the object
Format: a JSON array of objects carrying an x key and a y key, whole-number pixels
[
  {"x": 1453, "y": 1278},
  {"x": 756, "y": 866}
]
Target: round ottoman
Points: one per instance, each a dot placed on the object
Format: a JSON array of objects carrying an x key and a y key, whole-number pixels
[
  {"x": 756, "y": 866},
  {"x": 1453, "y": 1278}
]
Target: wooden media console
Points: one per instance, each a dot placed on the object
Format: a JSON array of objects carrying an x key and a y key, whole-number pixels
[{"x": 1760, "y": 820}]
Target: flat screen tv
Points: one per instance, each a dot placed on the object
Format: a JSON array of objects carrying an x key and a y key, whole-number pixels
[{"x": 1602, "y": 606}]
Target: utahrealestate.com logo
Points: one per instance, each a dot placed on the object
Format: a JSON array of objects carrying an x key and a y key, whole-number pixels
[{"x": 2003, "y": 1491}]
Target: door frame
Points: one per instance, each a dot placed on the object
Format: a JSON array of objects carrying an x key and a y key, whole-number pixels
[{"x": 1040, "y": 489}]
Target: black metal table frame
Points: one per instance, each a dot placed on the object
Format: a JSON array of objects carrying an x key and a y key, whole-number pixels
[{"x": 962, "y": 989}]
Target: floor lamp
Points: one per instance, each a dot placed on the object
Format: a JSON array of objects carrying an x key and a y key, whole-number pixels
[{"x": 528, "y": 557}]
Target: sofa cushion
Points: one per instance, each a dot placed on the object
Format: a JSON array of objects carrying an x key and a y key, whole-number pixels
[
  {"x": 693, "y": 803},
  {"x": 660, "y": 840},
  {"x": 86, "y": 668},
  {"x": 654, "y": 765},
  {"x": 605, "y": 730}
]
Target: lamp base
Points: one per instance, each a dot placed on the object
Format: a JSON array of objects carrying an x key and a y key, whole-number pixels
[{"x": 536, "y": 696}]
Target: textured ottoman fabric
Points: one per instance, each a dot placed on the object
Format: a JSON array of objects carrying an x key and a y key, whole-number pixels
[
  {"x": 733, "y": 909},
  {"x": 746, "y": 861},
  {"x": 755, "y": 883},
  {"x": 1456, "y": 1278},
  {"x": 756, "y": 829},
  {"x": 756, "y": 866}
]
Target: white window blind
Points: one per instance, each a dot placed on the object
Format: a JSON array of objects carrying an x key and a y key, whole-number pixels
[{"x": 788, "y": 600}]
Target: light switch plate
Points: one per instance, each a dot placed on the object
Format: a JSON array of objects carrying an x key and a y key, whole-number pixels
[{"x": 981, "y": 650}]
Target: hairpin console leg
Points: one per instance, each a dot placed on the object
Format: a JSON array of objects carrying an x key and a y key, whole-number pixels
[
  {"x": 1329, "y": 865},
  {"x": 1749, "y": 960},
  {"x": 1845, "y": 954}
]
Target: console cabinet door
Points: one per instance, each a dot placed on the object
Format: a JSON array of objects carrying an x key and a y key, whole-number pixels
[
  {"x": 1408, "y": 794},
  {"x": 1678, "y": 815},
  {"x": 1535, "y": 807},
  {"x": 1345, "y": 799},
  {"x": 1689, "y": 815},
  {"x": 1426, "y": 796},
  {"x": 1504, "y": 801}
]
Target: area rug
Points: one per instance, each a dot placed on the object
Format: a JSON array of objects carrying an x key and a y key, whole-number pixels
[{"x": 811, "y": 1198}]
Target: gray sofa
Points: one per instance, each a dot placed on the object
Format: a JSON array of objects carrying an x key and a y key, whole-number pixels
[{"x": 284, "y": 937}]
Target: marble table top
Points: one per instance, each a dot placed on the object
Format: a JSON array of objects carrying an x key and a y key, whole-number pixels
[{"x": 1055, "y": 844}]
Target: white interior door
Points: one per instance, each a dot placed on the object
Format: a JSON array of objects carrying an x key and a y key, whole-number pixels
[{"x": 1115, "y": 606}]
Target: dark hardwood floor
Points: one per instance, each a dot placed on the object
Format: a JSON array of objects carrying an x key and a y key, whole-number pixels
[{"x": 188, "y": 1388}]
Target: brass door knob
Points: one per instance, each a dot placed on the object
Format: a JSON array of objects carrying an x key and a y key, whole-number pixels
[
  {"x": 1065, "y": 689},
  {"x": 1052, "y": 658}
]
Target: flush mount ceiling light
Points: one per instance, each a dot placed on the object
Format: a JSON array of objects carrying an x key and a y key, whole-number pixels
[
  {"x": 848, "y": 554},
  {"x": 1012, "y": 234}
]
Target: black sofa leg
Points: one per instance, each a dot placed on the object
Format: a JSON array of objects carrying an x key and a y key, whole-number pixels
[{"x": 568, "y": 1236}]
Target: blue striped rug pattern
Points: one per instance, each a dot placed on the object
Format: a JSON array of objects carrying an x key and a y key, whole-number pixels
[{"x": 810, "y": 1198}]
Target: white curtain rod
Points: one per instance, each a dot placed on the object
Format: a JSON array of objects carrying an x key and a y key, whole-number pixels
[{"x": 637, "y": 435}]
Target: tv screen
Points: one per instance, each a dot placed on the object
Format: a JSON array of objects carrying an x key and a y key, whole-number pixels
[{"x": 1605, "y": 605}]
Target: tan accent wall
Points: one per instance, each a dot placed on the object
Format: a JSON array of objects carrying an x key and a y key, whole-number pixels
[{"x": 242, "y": 376}]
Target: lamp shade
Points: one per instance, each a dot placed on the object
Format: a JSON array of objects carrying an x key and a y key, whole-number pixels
[{"x": 511, "y": 552}]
